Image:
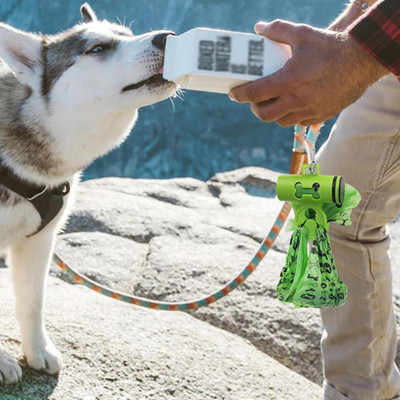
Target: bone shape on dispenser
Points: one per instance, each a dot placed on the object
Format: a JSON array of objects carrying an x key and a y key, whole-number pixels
[{"x": 313, "y": 191}]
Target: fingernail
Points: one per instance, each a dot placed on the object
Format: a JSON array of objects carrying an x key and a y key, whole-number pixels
[
  {"x": 260, "y": 27},
  {"x": 231, "y": 96}
]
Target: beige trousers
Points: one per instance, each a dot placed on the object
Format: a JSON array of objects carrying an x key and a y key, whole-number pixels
[{"x": 359, "y": 340}]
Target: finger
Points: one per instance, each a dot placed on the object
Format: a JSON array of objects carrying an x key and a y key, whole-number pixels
[
  {"x": 291, "y": 119},
  {"x": 274, "y": 109},
  {"x": 311, "y": 121},
  {"x": 260, "y": 90},
  {"x": 279, "y": 30},
  {"x": 305, "y": 117}
]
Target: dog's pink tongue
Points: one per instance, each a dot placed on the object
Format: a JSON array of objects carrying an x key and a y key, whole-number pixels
[{"x": 161, "y": 70}]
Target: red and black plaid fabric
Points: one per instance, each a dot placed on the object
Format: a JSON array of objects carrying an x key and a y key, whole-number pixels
[{"x": 378, "y": 31}]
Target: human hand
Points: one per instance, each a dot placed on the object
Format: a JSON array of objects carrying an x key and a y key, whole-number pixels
[{"x": 327, "y": 72}]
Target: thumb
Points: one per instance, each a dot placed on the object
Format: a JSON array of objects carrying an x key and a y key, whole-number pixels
[{"x": 278, "y": 30}]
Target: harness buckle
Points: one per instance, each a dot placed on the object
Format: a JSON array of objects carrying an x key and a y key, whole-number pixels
[{"x": 63, "y": 190}]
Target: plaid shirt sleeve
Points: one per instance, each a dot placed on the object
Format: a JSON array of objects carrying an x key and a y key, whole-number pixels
[{"x": 378, "y": 31}]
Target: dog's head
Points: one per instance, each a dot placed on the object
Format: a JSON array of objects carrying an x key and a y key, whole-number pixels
[
  {"x": 79, "y": 91},
  {"x": 93, "y": 62}
]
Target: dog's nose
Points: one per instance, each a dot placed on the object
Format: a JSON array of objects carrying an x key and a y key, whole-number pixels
[{"x": 161, "y": 38}]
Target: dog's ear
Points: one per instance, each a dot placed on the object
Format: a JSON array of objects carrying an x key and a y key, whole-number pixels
[
  {"x": 21, "y": 51},
  {"x": 87, "y": 13}
]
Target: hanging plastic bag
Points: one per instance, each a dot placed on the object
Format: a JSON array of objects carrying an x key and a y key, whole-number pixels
[{"x": 310, "y": 278}]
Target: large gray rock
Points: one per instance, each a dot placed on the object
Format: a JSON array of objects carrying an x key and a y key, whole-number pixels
[
  {"x": 113, "y": 351},
  {"x": 194, "y": 237},
  {"x": 178, "y": 240},
  {"x": 181, "y": 239}
]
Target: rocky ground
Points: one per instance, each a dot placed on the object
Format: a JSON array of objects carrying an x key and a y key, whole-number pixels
[{"x": 174, "y": 240}]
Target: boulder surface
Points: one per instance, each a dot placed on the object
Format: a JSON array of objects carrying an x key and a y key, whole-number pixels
[{"x": 174, "y": 240}]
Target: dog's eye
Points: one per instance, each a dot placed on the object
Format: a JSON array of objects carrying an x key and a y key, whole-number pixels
[{"x": 97, "y": 49}]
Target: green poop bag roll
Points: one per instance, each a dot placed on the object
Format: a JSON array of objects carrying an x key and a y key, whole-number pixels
[{"x": 310, "y": 277}]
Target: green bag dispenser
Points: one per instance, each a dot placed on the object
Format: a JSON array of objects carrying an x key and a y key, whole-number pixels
[{"x": 310, "y": 278}]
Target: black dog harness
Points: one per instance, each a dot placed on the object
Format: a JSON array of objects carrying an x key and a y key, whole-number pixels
[{"x": 48, "y": 202}]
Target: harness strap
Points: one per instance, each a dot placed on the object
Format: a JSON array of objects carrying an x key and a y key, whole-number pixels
[{"x": 48, "y": 202}]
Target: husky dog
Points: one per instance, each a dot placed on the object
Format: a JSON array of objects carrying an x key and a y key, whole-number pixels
[{"x": 64, "y": 100}]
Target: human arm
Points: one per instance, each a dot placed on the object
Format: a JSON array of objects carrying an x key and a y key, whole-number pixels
[
  {"x": 327, "y": 72},
  {"x": 353, "y": 10},
  {"x": 378, "y": 32}
]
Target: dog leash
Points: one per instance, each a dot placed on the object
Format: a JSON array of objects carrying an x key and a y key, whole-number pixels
[{"x": 304, "y": 145}]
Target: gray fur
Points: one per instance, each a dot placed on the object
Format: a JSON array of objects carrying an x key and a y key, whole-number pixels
[
  {"x": 5, "y": 196},
  {"x": 29, "y": 146},
  {"x": 9, "y": 198},
  {"x": 26, "y": 145},
  {"x": 13, "y": 95},
  {"x": 61, "y": 51}
]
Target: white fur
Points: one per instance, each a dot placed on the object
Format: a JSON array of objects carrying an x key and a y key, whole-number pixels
[{"x": 86, "y": 115}]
